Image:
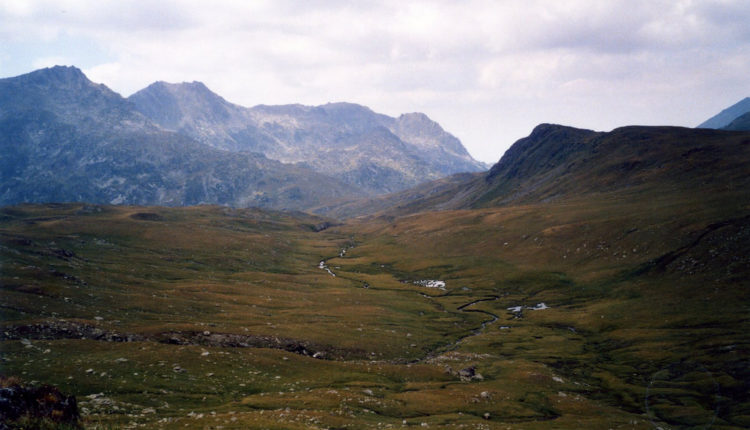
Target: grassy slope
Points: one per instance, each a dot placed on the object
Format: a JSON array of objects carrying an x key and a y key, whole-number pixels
[
  {"x": 647, "y": 319},
  {"x": 557, "y": 162}
]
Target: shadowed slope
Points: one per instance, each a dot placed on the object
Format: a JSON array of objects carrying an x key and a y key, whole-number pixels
[
  {"x": 648, "y": 158},
  {"x": 741, "y": 123},
  {"x": 556, "y": 162}
]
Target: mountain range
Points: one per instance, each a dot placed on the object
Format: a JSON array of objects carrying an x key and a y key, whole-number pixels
[
  {"x": 65, "y": 138},
  {"x": 371, "y": 151}
]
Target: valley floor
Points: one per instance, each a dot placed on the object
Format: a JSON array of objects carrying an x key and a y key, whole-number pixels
[{"x": 578, "y": 314}]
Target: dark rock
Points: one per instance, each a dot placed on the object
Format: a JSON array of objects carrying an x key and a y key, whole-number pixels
[
  {"x": 37, "y": 403},
  {"x": 146, "y": 216},
  {"x": 468, "y": 372},
  {"x": 322, "y": 226}
]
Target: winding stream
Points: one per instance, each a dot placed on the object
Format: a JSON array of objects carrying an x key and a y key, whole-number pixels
[
  {"x": 474, "y": 332},
  {"x": 493, "y": 318}
]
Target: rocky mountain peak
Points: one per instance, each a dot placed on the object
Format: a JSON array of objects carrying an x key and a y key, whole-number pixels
[
  {"x": 415, "y": 117},
  {"x": 57, "y": 76},
  {"x": 192, "y": 92},
  {"x": 196, "y": 90},
  {"x": 418, "y": 129},
  {"x": 417, "y": 122},
  {"x": 63, "y": 138},
  {"x": 346, "y": 107},
  {"x": 173, "y": 105},
  {"x": 67, "y": 92},
  {"x": 56, "y": 80}
]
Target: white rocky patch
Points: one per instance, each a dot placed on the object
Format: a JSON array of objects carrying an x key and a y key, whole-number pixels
[
  {"x": 117, "y": 200},
  {"x": 323, "y": 266},
  {"x": 431, "y": 283},
  {"x": 538, "y": 307}
]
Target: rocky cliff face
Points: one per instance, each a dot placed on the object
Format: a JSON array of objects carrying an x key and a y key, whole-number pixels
[
  {"x": 64, "y": 138},
  {"x": 368, "y": 150}
]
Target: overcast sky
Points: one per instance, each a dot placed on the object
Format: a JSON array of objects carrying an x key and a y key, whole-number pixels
[{"x": 487, "y": 71}]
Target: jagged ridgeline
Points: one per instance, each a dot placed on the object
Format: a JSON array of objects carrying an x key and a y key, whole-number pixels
[
  {"x": 64, "y": 138},
  {"x": 372, "y": 151}
]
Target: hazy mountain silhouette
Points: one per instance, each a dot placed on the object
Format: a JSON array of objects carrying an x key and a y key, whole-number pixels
[{"x": 371, "y": 151}]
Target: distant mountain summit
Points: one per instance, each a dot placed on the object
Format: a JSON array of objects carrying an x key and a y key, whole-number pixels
[
  {"x": 167, "y": 104},
  {"x": 66, "y": 91},
  {"x": 726, "y": 116},
  {"x": 371, "y": 151},
  {"x": 191, "y": 109},
  {"x": 64, "y": 138}
]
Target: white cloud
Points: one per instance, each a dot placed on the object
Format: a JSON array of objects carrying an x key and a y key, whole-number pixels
[
  {"x": 487, "y": 70},
  {"x": 17, "y": 8}
]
